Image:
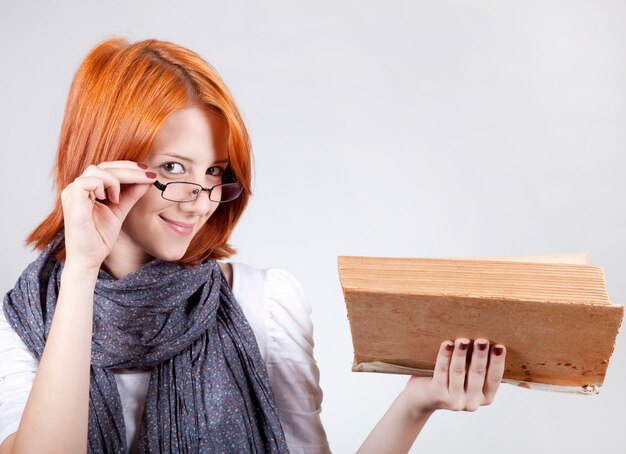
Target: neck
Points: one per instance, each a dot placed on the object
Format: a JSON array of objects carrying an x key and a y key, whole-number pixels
[{"x": 125, "y": 258}]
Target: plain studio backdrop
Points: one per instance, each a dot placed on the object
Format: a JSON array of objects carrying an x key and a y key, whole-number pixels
[{"x": 397, "y": 129}]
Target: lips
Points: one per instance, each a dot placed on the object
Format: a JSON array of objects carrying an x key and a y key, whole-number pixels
[{"x": 179, "y": 227}]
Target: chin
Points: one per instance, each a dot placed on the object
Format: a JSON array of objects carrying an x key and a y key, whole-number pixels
[{"x": 170, "y": 255}]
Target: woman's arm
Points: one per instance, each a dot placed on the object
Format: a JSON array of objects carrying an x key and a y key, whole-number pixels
[
  {"x": 56, "y": 415},
  {"x": 397, "y": 429},
  {"x": 453, "y": 386}
]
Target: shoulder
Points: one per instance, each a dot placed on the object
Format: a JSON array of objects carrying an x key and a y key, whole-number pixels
[
  {"x": 276, "y": 306},
  {"x": 286, "y": 296},
  {"x": 273, "y": 285},
  {"x": 227, "y": 269}
]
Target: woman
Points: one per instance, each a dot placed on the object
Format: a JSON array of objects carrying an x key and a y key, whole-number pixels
[{"x": 128, "y": 283}]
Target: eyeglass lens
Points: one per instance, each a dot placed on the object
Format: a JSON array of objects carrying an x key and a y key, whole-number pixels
[{"x": 186, "y": 192}]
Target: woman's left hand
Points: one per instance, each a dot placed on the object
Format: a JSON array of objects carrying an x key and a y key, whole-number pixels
[{"x": 454, "y": 385}]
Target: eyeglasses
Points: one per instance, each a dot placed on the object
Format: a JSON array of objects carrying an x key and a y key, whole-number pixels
[{"x": 182, "y": 191}]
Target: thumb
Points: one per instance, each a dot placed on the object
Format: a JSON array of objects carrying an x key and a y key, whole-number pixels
[{"x": 130, "y": 195}]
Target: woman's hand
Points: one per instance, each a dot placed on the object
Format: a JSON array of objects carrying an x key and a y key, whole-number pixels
[
  {"x": 92, "y": 227},
  {"x": 454, "y": 385}
]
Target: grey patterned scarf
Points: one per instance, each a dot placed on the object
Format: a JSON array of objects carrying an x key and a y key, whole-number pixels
[{"x": 209, "y": 390}]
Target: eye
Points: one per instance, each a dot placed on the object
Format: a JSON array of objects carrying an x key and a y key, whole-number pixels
[
  {"x": 213, "y": 169},
  {"x": 169, "y": 165}
]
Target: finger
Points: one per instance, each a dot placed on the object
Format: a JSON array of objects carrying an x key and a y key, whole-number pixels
[
  {"x": 114, "y": 190},
  {"x": 123, "y": 163},
  {"x": 130, "y": 196},
  {"x": 495, "y": 371},
  {"x": 90, "y": 186},
  {"x": 442, "y": 364},
  {"x": 132, "y": 176},
  {"x": 110, "y": 182},
  {"x": 456, "y": 386},
  {"x": 113, "y": 177},
  {"x": 477, "y": 370}
]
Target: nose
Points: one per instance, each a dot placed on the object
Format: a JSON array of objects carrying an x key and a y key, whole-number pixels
[{"x": 200, "y": 207}]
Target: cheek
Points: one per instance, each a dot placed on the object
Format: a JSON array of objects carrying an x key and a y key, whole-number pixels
[{"x": 148, "y": 205}]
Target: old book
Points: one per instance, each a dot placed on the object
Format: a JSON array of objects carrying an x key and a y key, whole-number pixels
[{"x": 551, "y": 312}]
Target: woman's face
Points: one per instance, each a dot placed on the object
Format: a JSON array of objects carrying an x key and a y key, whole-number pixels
[{"x": 190, "y": 146}]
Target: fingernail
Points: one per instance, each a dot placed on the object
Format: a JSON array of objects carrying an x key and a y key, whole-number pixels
[
  {"x": 449, "y": 347},
  {"x": 142, "y": 165},
  {"x": 482, "y": 346},
  {"x": 151, "y": 174},
  {"x": 498, "y": 350},
  {"x": 463, "y": 345}
]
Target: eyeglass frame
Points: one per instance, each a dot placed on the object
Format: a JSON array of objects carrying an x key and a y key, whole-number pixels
[{"x": 161, "y": 187}]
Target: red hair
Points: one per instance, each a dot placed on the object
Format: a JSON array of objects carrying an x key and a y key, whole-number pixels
[{"x": 119, "y": 97}]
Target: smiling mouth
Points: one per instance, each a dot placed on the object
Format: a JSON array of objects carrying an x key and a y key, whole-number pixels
[{"x": 184, "y": 230}]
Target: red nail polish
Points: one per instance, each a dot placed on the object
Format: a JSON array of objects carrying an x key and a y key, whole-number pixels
[
  {"x": 151, "y": 174},
  {"x": 463, "y": 346},
  {"x": 482, "y": 346},
  {"x": 498, "y": 350},
  {"x": 449, "y": 347},
  {"x": 142, "y": 165}
]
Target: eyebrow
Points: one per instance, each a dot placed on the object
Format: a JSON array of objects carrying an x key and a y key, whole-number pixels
[{"x": 184, "y": 158}]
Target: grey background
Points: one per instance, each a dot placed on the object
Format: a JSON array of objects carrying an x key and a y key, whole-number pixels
[{"x": 409, "y": 129}]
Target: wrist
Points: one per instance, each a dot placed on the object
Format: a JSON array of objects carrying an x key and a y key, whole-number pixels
[
  {"x": 412, "y": 410},
  {"x": 80, "y": 270}
]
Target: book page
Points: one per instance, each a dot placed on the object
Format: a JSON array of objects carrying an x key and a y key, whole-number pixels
[{"x": 578, "y": 258}]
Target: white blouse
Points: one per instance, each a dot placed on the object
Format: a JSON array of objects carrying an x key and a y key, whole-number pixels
[{"x": 279, "y": 314}]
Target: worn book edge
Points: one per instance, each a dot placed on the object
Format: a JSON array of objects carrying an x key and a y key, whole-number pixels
[
  {"x": 379, "y": 366},
  {"x": 574, "y": 258}
]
